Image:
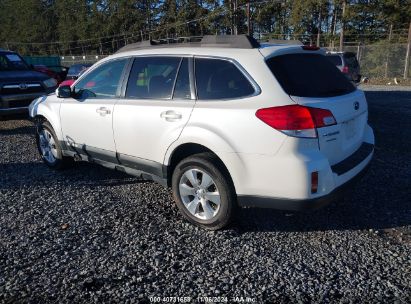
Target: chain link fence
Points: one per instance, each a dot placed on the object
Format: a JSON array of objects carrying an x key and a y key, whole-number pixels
[
  {"x": 380, "y": 60},
  {"x": 70, "y": 60}
]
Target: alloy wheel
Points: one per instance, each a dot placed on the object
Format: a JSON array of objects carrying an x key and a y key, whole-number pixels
[
  {"x": 199, "y": 194},
  {"x": 48, "y": 147}
]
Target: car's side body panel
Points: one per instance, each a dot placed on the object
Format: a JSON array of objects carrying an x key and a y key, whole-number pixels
[
  {"x": 138, "y": 126},
  {"x": 87, "y": 131}
]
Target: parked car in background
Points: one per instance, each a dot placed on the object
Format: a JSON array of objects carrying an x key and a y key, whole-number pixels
[
  {"x": 57, "y": 72},
  {"x": 67, "y": 82},
  {"x": 347, "y": 63},
  {"x": 224, "y": 122},
  {"x": 20, "y": 84},
  {"x": 74, "y": 72}
]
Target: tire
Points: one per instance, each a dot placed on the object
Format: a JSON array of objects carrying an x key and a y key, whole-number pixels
[
  {"x": 49, "y": 147},
  {"x": 204, "y": 192}
]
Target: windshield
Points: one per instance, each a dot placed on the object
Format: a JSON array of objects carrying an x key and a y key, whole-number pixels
[
  {"x": 309, "y": 75},
  {"x": 12, "y": 62}
]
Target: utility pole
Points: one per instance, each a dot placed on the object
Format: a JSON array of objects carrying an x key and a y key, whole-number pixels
[
  {"x": 235, "y": 17},
  {"x": 231, "y": 17},
  {"x": 248, "y": 18},
  {"x": 388, "y": 51},
  {"x": 407, "y": 56},
  {"x": 333, "y": 27},
  {"x": 342, "y": 26},
  {"x": 319, "y": 27}
]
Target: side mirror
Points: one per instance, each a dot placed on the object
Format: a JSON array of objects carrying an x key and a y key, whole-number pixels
[{"x": 64, "y": 92}]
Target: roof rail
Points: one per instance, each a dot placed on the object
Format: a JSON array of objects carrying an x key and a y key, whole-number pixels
[
  {"x": 232, "y": 41},
  {"x": 228, "y": 41}
]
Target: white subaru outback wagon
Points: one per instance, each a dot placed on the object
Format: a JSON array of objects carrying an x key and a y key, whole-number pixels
[{"x": 225, "y": 122}]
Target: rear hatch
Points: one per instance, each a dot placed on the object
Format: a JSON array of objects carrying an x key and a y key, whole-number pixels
[{"x": 313, "y": 81}]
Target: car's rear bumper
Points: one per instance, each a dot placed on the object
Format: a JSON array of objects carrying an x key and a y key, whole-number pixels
[
  {"x": 300, "y": 204},
  {"x": 336, "y": 178}
]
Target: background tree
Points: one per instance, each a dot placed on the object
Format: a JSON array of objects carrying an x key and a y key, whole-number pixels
[{"x": 102, "y": 26}]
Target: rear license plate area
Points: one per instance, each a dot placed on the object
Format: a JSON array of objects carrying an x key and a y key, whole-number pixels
[{"x": 350, "y": 128}]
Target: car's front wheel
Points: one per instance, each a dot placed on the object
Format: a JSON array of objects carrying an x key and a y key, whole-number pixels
[
  {"x": 49, "y": 147},
  {"x": 203, "y": 191}
]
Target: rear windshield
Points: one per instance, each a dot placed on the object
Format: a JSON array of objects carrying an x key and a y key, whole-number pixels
[
  {"x": 309, "y": 75},
  {"x": 335, "y": 59}
]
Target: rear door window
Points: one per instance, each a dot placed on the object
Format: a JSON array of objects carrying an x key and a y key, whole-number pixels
[
  {"x": 309, "y": 75},
  {"x": 153, "y": 77},
  {"x": 220, "y": 79},
  {"x": 182, "y": 87}
]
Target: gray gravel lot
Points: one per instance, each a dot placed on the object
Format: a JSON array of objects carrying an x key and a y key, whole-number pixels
[
  {"x": 89, "y": 234},
  {"x": 373, "y": 87}
]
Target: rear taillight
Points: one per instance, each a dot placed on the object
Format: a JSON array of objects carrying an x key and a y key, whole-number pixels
[
  {"x": 296, "y": 120},
  {"x": 345, "y": 69},
  {"x": 322, "y": 117}
]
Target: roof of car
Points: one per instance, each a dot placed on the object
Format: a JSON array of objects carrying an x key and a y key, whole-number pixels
[
  {"x": 229, "y": 46},
  {"x": 220, "y": 41},
  {"x": 224, "y": 46},
  {"x": 197, "y": 43},
  {"x": 211, "y": 51}
]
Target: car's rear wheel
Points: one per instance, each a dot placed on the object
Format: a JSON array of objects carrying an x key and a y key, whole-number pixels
[
  {"x": 49, "y": 147},
  {"x": 203, "y": 191}
]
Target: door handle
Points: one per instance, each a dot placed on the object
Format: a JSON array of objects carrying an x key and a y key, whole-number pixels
[
  {"x": 171, "y": 115},
  {"x": 103, "y": 111}
]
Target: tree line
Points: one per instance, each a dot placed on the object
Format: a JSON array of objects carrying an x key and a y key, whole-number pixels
[{"x": 101, "y": 27}]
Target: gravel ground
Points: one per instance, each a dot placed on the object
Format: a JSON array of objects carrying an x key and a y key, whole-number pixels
[
  {"x": 373, "y": 87},
  {"x": 88, "y": 234}
]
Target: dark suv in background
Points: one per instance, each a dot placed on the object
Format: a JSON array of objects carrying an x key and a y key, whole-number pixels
[
  {"x": 347, "y": 63},
  {"x": 20, "y": 84}
]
